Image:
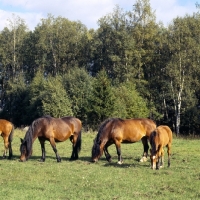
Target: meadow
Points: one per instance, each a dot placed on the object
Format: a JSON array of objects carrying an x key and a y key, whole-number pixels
[{"x": 82, "y": 179}]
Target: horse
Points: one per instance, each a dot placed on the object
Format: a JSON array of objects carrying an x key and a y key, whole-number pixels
[
  {"x": 117, "y": 131},
  {"x": 54, "y": 130},
  {"x": 7, "y": 131},
  {"x": 159, "y": 138}
]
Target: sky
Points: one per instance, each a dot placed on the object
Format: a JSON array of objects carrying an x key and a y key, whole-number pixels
[{"x": 87, "y": 11}]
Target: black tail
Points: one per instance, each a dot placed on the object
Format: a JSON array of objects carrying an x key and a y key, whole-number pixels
[
  {"x": 77, "y": 147},
  {"x": 10, "y": 138}
]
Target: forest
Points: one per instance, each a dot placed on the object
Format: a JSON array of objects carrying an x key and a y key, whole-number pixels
[{"x": 130, "y": 66}]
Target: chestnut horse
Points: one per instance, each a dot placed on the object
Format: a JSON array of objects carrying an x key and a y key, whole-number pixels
[
  {"x": 54, "y": 130},
  {"x": 117, "y": 131},
  {"x": 6, "y": 131},
  {"x": 159, "y": 138}
]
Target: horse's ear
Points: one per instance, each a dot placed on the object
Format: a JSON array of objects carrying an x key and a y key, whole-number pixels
[{"x": 21, "y": 140}]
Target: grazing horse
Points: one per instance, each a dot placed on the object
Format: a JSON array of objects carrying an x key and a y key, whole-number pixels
[
  {"x": 6, "y": 131},
  {"x": 159, "y": 138},
  {"x": 54, "y": 130},
  {"x": 117, "y": 131}
]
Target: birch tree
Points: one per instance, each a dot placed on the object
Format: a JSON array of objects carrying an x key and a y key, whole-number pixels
[{"x": 183, "y": 63}]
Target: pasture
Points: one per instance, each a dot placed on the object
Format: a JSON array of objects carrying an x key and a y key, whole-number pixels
[{"x": 82, "y": 179}]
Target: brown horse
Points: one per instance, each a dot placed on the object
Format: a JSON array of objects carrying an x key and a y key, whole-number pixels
[
  {"x": 54, "y": 130},
  {"x": 117, "y": 131},
  {"x": 159, "y": 138},
  {"x": 6, "y": 131}
]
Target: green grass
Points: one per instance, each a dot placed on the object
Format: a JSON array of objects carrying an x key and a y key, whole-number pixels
[{"x": 82, "y": 179}]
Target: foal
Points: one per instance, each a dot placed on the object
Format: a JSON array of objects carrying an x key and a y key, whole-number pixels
[{"x": 159, "y": 138}]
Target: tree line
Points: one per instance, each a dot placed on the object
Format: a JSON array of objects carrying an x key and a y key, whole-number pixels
[{"x": 131, "y": 66}]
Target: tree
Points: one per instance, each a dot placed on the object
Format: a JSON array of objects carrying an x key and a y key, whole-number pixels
[
  {"x": 18, "y": 30},
  {"x": 102, "y": 101},
  {"x": 141, "y": 25},
  {"x": 183, "y": 63},
  {"x": 16, "y": 101},
  {"x": 48, "y": 97},
  {"x": 113, "y": 47},
  {"x": 58, "y": 44},
  {"x": 129, "y": 103},
  {"x": 78, "y": 85}
]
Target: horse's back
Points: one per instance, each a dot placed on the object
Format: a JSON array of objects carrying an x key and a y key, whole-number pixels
[
  {"x": 132, "y": 130},
  {"x": 74, "y": 123},
  {"x": 165, "y": 134},
  {"x": 149, "y": 125},
  {"x": 143, "y": 125},
  {"x": 5, "y": 126}
]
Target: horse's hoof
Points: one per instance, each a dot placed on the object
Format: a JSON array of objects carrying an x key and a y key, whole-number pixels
[
  {"x": 119, "y": 162},
  {"x": 109, "y": 159},
  {"x": 143, "y": 159}
]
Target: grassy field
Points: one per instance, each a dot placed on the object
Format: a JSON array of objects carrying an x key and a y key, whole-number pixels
[{"x": 82, "y": 179}]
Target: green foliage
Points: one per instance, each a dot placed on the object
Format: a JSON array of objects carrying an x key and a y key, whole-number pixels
[
  {"x": 113, "y": 47},
  {"x": 48, "y": 97},
  {"x": 59, "y": 44},
  {"x": 78, "y": 85},
  {"x": 55, "y": 101},
  {"x": 102, "y": 99},
  {"x": 16, "y": 101},
  {"x": 129, "y": 102},
  {"x": 162, "y": 62}
]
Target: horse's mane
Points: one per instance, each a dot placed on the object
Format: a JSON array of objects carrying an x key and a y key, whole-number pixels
[
  {"x": 97, "y": 141},
  {"x": 28, "y": 139},
  {"x": 102, "y": 126},
  {"x": 152, "y": 141}
]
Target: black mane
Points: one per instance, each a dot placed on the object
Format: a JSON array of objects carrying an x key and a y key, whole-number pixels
[
  {"x": 28, "y": 139},
  {"x": 96, "y": 147},
  {"x": 152, "y": 142}
]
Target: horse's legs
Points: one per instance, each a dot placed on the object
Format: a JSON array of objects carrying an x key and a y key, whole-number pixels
[
  {"x": 118, "y": 148},
  {"x": 6, "y": 146},
  {"x": 146, "y": 148},
  {"x": 53, "y": 144},
  {"x": 169, "y": 153},
  {"x": 108, "y": 156},
  {"x": 42, "y": 141},
  {"x": 159, "y": 162},
  {"x": 73, "y": 139},
  {"x": 162, "y": 158}
]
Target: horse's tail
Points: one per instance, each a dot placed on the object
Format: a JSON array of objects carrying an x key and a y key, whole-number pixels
[
  {"x": 10, "y": 138},
  {"x": 77, "y": 147}
]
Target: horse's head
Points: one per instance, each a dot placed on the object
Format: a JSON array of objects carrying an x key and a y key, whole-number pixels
[
  {"x": 97, "y": 151},
  {"x": 154, "y": 158},
  {"x": 25, "y": 154}
]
